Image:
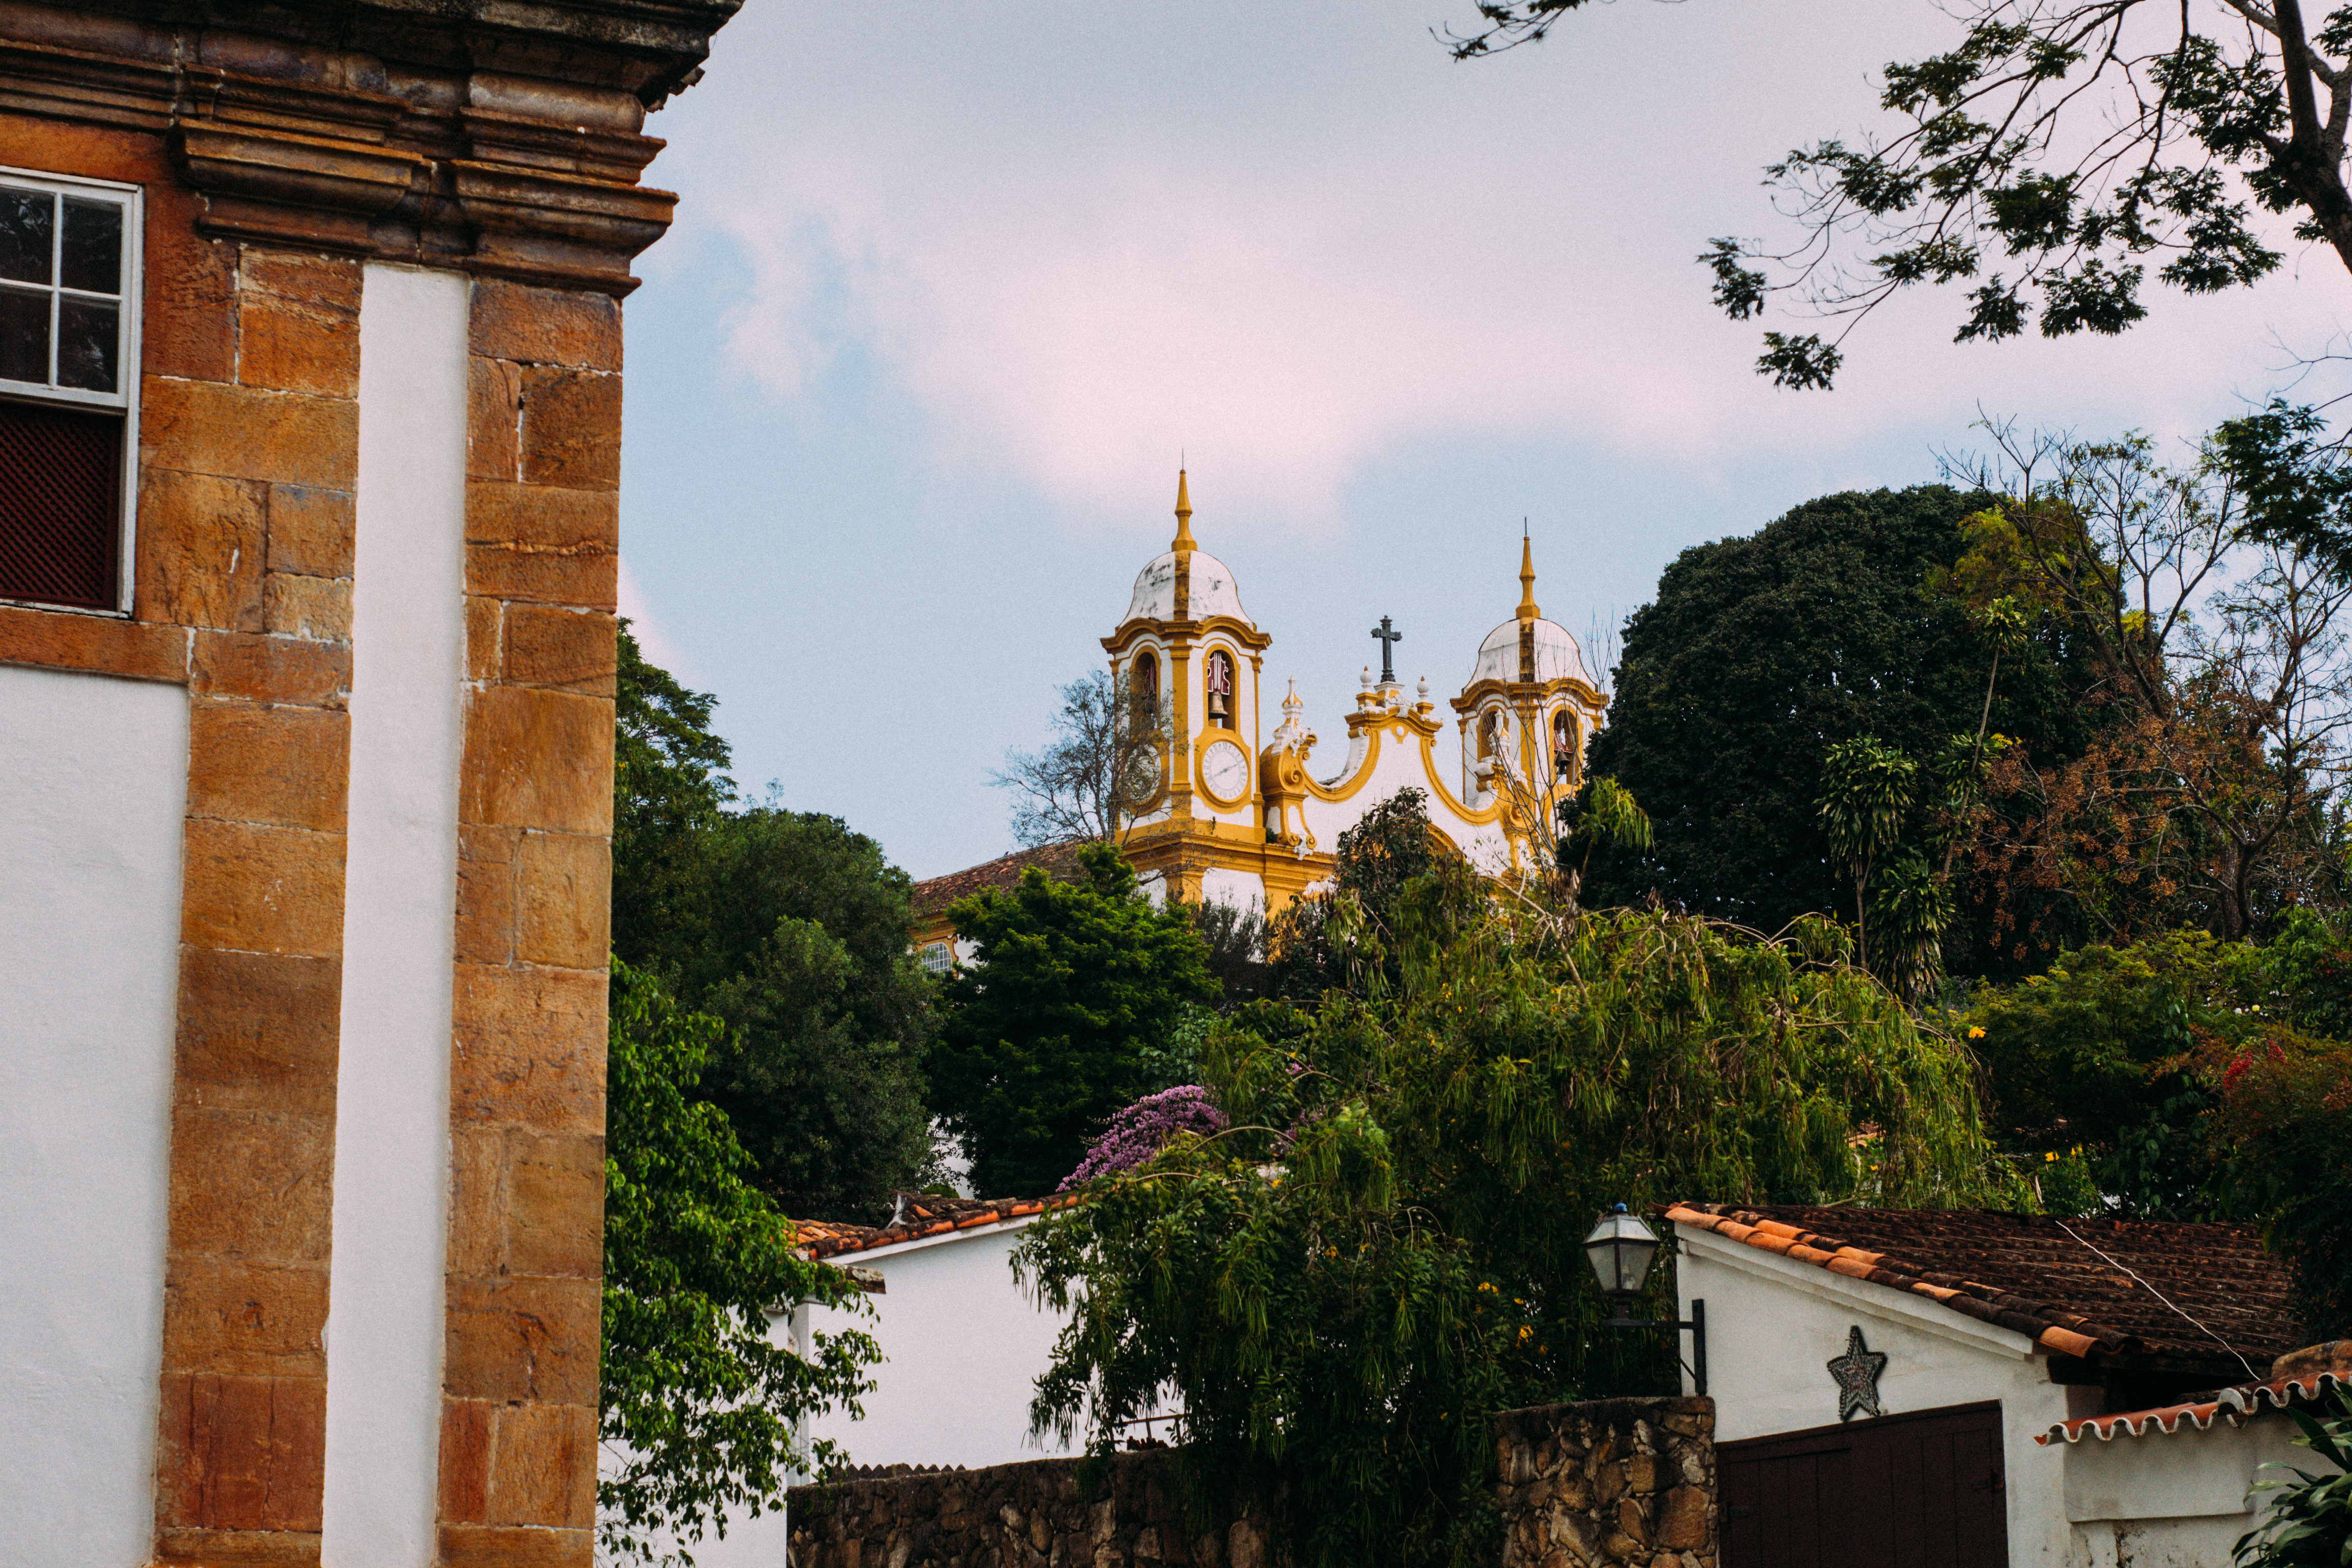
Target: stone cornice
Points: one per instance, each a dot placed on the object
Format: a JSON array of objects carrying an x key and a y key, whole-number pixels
[{"x": 499, "y": 138}]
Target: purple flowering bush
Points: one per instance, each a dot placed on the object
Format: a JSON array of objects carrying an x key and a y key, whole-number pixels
[{"x": 1143, "y": 1128}]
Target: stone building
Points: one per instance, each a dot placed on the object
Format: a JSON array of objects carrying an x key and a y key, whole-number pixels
[{"x": 309, "y": 424}]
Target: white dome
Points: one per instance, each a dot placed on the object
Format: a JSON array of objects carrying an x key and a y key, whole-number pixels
[
  {"x": 1212, "y": 590},
  {"x": 1556, "y": 657}
]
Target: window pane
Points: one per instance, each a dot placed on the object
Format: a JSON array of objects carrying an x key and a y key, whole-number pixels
[
  {"x": 92, "y": 254},
  {"x": 24, "y": 336},
  {"x": 25, "y": 234},
  {"x": 86, "y": 340}
]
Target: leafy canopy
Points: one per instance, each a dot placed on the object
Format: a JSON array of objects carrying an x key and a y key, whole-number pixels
[
  {"x": 1760, "y": 655},
  {"x": 1383, "y": 1248},
  {"x": 791, "y": 930},
  {"x": 1075, "y": 987},
  {"x": 2043, "y": 163},
  {"x": 700, "y": 1405}
]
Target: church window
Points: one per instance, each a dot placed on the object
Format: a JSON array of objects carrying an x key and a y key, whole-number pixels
[
  {"x": 1217, "y": 678},
  {"x": 1563, "y": 743},
  {"x": 1143, "y": 687},
  {"x": 68, "y": 357},
  {"x": 1489, "y": 729},
  {"x": 937, "y": 958}
]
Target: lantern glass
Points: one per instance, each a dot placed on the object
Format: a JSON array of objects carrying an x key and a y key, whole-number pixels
[{"x": 1620, "y": 1249}]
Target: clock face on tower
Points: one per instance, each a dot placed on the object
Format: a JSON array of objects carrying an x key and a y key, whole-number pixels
[{"x": 1225, "y": 769}]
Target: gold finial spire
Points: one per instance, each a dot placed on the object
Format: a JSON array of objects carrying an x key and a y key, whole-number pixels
[
  {"x": 1183, "y": 516},
  {"x": 1528, "y": 610}
]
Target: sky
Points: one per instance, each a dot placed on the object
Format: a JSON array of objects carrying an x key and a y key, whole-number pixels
[{"x": 953, "y": 289}]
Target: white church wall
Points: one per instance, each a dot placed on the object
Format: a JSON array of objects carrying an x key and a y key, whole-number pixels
[
  {"x": 1397, "y": 765},
  {"x": 1242, "y": 889},
  {"x": 93, "y": 781},
  {"x": 384, "y": 1323},
  {"x": 1773, "y": 1325}
]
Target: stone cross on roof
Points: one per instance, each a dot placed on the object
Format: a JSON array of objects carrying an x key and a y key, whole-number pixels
[{"x": 1390, "y": 637}]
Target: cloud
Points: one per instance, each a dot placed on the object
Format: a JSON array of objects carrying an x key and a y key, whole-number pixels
[
  {"x": 653, "y": 640},
  {"x": 1080, "y": 239}
]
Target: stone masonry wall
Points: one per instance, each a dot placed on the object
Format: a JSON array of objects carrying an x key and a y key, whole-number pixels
[{"x": 1609, "y": 1482}]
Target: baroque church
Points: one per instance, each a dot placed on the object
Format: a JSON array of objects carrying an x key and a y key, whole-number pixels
[{"x": 1249, "y": 813}]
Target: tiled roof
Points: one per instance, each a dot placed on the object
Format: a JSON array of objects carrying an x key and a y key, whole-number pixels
[
  {"x": 1059, "y": 861},
  {"x": 919, "y": 1214},
  {"x": 2235, "y": 1406},
  {"x": 2097, "y": 1289}
]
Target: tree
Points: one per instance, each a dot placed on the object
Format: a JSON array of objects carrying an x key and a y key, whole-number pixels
[
  {"x": 1761, "y": 655},
  {"x": 1335, "y": 940},
  {"x": 700, "y": 1408},
  {"x": 805, "y": 958},
  {"x": 792, "y": 931},
  {"x": 2091, "y": 1073},
  {"x": 2064, "y": 145},
  {"x": 1381, "y": 1249},
  {"x": 670, "y": 789},
  {"x": 2283, "y": 1130},
  {"x": 1046, "y": 1032},
  {"x": 1104, "y": 765},
  {"x": 2220, "y": 674}
]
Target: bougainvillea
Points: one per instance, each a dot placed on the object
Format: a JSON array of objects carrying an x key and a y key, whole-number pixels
[{"x": 1143, "y": 1128}]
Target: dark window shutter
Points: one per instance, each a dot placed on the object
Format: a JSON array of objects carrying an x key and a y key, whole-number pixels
[{"x": 60, "y": 505}]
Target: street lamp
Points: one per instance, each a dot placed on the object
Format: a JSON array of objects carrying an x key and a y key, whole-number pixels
[{"x": 1621, "y": 1249}]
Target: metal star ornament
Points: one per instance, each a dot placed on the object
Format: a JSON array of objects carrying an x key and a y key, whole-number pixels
[{"x": 1857, "y": 1372}]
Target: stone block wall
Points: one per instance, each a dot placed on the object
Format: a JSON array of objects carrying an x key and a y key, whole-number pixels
[
  {"x": 1608, "y": 1482},
  {"x": 1031, "y": 1515}
]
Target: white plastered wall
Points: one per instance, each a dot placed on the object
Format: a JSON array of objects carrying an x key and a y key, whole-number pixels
[
  {"x": 1398, "y": 766},
  {"x": 93, "y": 784},
  {"x": 1772, "y": 1326},
  {"x": 1242, "y": 889},
  {"x": 962, "y": 1347},
  {"x": 384, "y": 1320},
  {"x": 2175, "y": 1499}
]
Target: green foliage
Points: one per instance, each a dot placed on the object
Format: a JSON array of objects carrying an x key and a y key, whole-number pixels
[
  {"x": 1383, "y": 1248},
  {"x": 1335, "y": 941},
  {"x": 792, "y": 931},
  {"x": 1761, "y": 654},
  {"x": 804, "y": 956},
  {"x": 2092, "y": 1060},
  {"x": 1051, "y": 1029},
  {"x": 670, "y": 789},
  {"x": 2308, "y": 1523},
  {"x": 2044, "y": 163},
  {"x": 2284, "y": 1124},
  {"x": 2297, "y": 483},
  {"x": 701, "y": 1406}
]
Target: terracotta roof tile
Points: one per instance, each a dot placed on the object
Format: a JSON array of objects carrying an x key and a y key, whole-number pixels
[
  {"x": 919, "y": 1214},
  {"x": 2235, "y": 1406},
  {"x": 2086, "y": 1287},
  {"x": 1059, "y": 861}
]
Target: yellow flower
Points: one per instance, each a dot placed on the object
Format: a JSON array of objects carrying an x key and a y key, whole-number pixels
[
  {"x": 1526, "y": 1334},
  {"x": 1976, "y": 1031}
]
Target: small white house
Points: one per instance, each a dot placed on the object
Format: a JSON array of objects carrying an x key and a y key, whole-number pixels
[
  {"x": 962, "y": 1347},
  {"x": 1917, "y": 1385}
]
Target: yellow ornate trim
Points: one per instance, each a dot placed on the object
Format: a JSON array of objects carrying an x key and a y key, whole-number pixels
[{"x": 1241, "y": 631}]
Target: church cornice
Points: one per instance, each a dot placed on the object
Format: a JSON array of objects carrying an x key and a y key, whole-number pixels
[
  {"x": 1186, "y": 632},
  {"x": 1524, "y": 693}
]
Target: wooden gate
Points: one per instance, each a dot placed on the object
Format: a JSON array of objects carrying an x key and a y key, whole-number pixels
[{"x": 1922, "y": 1491}]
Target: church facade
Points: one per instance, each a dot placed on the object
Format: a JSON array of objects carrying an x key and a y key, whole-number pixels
[{"x": 1250, "y": 800}]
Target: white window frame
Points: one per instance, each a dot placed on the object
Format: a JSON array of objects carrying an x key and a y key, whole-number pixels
[
  {"x": 945, "y": 953},
  {"x": 129, "y": 366}
]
